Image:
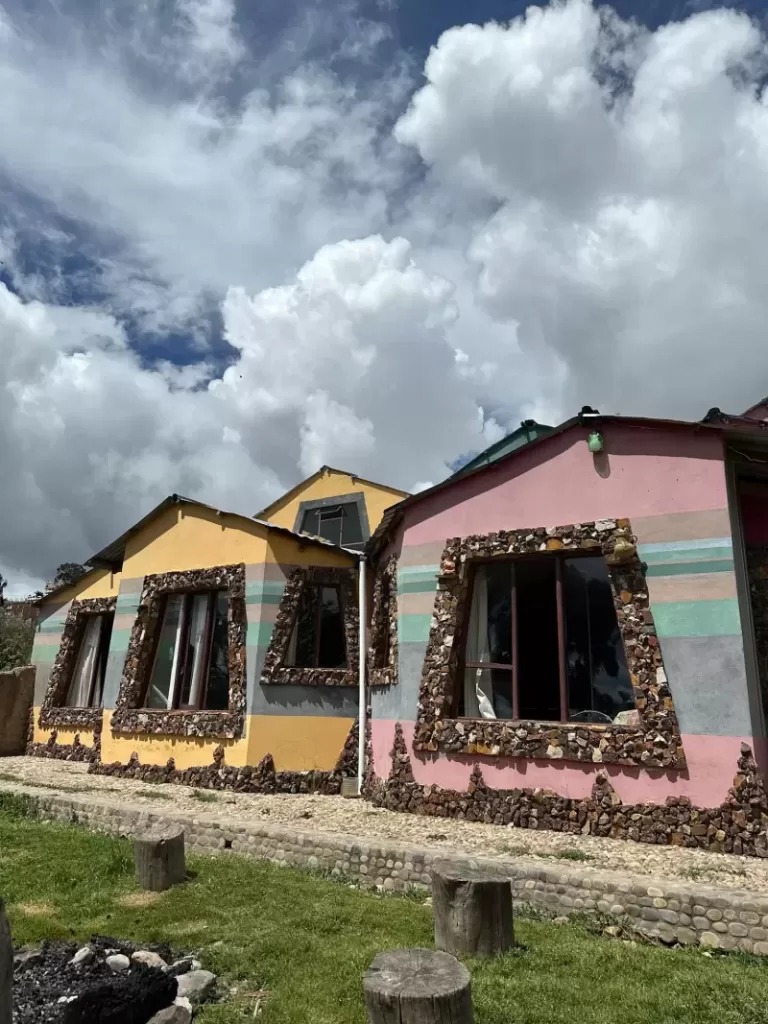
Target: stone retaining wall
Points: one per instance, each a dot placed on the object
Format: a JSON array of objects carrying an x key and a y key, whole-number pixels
[{"x": 666, "y": 911}]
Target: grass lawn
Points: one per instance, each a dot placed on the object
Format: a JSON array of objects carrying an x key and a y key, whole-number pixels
[{"x": 305, "y": 942}]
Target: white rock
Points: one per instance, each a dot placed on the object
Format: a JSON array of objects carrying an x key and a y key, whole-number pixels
[
  {"x": 145, "y": 956},
  {"x": 196, "y": 985},
  {"x": 84, "y": 955},
  {"x": 118, "y": 962},
  {"x": 172, "y": 1015},
  {"x": 183, "y": 1001}
]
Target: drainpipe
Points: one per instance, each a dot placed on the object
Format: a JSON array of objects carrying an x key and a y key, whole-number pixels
[{"x": 362, "y": 604}]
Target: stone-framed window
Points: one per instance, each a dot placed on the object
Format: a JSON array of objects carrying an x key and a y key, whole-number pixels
[
  {"x": 647, "y": 735},
  {"x": 184, "y": 672},
  {"x": 75, "y": 686},
  {"x": 382, "y": 648},
  {"x": 314, "y": 640},
  {"x": 342, "y": 519}
]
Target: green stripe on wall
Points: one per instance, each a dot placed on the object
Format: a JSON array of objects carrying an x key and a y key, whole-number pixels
[
  {"x": 262, "y": 587},
  {"x": 45, "y": 652},
  {"x": 418, "y": 570},
  {"x": 417, "y": 586},
  {"x": 683, "y": 568},
  {"x": 413, "y": 628},
  {"x": 697, "y": 618},
  {"x": 259, "y": 634},
  {"x": 685, "y": 555},
  {"x": 258, "y": 599},
  {"x": 119, "y": 639}
]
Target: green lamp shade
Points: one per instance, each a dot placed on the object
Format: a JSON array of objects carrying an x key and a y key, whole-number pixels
[{"x": 595, "y": 442}]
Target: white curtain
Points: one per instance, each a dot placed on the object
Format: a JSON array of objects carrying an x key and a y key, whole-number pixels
[
  {"x": 478, "y": 686},
  {"x": 86, "y": 666}
]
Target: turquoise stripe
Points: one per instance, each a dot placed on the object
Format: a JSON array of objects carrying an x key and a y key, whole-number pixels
[
  {"x": 259, "y": 599},
  {"x": 682, "y": 568},
  {"x": 119, "y": 640},
  {"x": 418, "y": 587},
  {"x": 45, "y": 653},
  {"x": 260, "y": 587},
  {"x": 49, "y": 628},
  {"x": 259, "y": 634},
  {"x": 413, "y": 628},
  {"x": 418, "y": 570},
  {"x": 689, "y": 545},
  {"x": 685, "y": 555},
  {"x": 697, "y": 618}
]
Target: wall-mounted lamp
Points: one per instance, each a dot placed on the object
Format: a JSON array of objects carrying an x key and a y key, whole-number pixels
[{"x": 595, "y": 442}]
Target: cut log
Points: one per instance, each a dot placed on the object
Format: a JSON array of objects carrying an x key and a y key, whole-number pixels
[
  {"x": 417, "y": 986},
  {"x": 472, "y": 912},
  {"x": 159, "y": 857}
]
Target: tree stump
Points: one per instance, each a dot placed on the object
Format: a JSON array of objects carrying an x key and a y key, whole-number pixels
[
  {"x": 159, "y": 857},
  {"x": 417, "y": 986},
  {"x": 472, "y": 912}
]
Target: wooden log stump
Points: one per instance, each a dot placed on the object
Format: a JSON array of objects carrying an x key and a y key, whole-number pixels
[
  {"x": 159, "y": 856},
  {"x": 417, "y": 986},
  {"x": 472, "y": 912}
]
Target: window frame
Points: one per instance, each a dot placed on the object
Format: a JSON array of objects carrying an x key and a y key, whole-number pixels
[
  {"x": 176, "y": 683},
  {"x": 274, "y": 670},
  {"x": 53, "y": 710},
  {"x": 353, "y": 498},
  {"x": 558, "y": 557},
  {"x": 318, "y": 621},
  {"x": 649, "y": 738},
  {"x": 130, "y": 716}
]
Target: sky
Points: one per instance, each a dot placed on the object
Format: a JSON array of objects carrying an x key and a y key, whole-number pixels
[{"x": 239, "y": 241}]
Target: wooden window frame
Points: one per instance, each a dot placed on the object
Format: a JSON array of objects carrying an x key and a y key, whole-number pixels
[
  {"x": 176, "y": 684},
  {"x": 649, "y": 738},
  {"x": 558, "y": 558}
]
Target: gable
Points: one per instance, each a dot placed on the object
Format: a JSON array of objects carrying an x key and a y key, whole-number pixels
[{"x": 328, "y": 488}]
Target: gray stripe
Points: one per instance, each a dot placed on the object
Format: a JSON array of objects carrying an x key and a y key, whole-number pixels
[
  {"x": 401, "y": 700},
  {"x": 707, "y": 678},
  {"x": 325, "y": 701}
]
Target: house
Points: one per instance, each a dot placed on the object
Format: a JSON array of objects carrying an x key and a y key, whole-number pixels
[
  {"x": 211, "y": 647},
  {"x": 582, "y": 634}
]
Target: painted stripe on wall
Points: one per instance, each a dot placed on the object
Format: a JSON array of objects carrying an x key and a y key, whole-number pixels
[
  {"x": 682, "y": 525},
  {"x": 413, "y": 628},
  {"x": 697, "y": 618},
  {"x": 688, "y": 568},
  {"x": 420, "y": 555},
  {"x": 416, "y": 604},
  {"x": 692, "y": 587}
]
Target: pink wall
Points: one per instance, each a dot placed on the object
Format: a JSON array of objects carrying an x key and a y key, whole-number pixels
[
  {"x": 711, "y": 768},
  {"x": 641, "y": 472}
]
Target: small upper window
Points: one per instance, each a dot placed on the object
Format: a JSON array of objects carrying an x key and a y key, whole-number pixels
[
  {"x": 86, "y": 688},
  {"x": 191, "y": 668},
  {"x": 542, "y": 642},
  {"x": 317, "y": 639},
  {"x": 339, "y": 524}
]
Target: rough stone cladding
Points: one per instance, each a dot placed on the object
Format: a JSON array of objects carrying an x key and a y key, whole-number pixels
[
  {"x": 382, "y": 647},
  {"x": 129, "y": 716},
  {"x": 653, "y": 743},
  {"x": 274, "y": 671},
  {"x": 52, "y": 711}
]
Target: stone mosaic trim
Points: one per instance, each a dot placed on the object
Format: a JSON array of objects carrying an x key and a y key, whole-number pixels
[
  {"x": 274, "y": 671},
  {"x": 52, "y": 712},
  {"x": 757, "y": 568},
  {"x": 74, "y": 751},
  {"x": 129, "y": 716},
  {"x": 384, "y": 626},
  {"x": 739, "y": 825},
  {"x": 666, "y": 911},
  {"x": 653, "y": 741},
  {"x": 261, "y": 778}
]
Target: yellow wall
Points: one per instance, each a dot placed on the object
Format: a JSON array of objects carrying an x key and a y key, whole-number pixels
[
  {"x": 330, "y": 484},
  {"x": 191, "y": 537},
  {"x": 297, "y": 743},
  {"x": 64, "y": 734},
  {"x": 95, "y": 583},
  {"x": 290, "y": 551}
]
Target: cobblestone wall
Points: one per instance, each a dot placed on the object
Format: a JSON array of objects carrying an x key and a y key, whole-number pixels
[{"x": 669, "y": 912}]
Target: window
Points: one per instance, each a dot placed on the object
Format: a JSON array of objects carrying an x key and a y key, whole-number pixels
[
  {"x": 86, "y": 688},
  {"x": 337, "y": 523},
  {"x": 542, "y": 642},
  {"x": 317, "y": 638},
  {"x": 191, "y": 668}
]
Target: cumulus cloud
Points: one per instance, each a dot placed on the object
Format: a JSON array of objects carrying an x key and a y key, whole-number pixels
[{"x": 569, "y": 209}]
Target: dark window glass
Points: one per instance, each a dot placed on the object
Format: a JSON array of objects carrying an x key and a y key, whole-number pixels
[
  {"x": 599, "y": 685},
  {"x": 217, "y": 693},
  {"x": 318, "y": 638},
  {"x": 597, "y": 677},
  {"x": 339, "y": 524}
]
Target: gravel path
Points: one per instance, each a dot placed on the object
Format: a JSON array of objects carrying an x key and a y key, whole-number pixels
[{"x": 357, "y": 818}]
